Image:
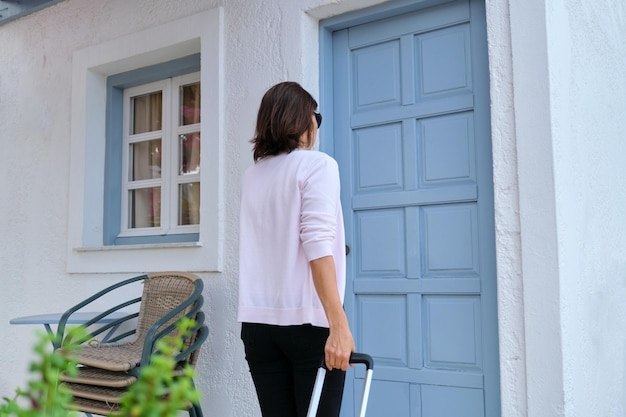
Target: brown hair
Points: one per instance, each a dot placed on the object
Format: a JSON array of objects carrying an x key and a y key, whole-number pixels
[{"x": 285, "y": 114}]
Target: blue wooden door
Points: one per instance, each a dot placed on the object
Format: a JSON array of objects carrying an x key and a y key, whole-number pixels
[{"x": 411, "y": 135}]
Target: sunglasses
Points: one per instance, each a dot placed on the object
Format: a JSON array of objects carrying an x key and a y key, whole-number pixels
[{"x": 318, "y": 119}]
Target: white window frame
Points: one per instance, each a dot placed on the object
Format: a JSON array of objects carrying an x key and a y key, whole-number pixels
[
  {"x": 169, "y": 180},
  {"x": 86, "y": 253}
]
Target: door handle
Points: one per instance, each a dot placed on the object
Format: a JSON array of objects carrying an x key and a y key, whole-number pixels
[{"x": 347, "y": 249}]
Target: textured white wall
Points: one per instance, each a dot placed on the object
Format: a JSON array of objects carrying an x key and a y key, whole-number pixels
[
  {"x": 538, "y": 232},
  {"x": 506, "y": 205},
  {"x": 558, "y": 75},
  {"x": 588, "y": 100}
]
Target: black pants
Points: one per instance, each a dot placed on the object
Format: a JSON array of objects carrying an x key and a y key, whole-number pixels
[{"x": 283, "y": 362}]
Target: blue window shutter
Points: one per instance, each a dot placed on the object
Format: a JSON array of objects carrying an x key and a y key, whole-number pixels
[
  {"x": 113, "y": 149},
  {"x": 113, "y": 165}
]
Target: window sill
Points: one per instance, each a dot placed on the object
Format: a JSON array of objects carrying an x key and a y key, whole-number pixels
[
  {"x": 140, "y": 247},
  {"x": 142, "y": 258}
]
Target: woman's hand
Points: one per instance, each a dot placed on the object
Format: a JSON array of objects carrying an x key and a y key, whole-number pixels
[{"x": 339, "y": 346}]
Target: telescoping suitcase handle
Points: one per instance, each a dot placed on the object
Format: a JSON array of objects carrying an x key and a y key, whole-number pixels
[{"x": 362, "y": 358}]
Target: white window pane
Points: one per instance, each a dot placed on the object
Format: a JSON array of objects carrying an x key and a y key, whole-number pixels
[
  {"x": 190, "y": 104},
  {"x": 146, "y": 112},
  {"x": 189, "y": 153},
  {"x": 144, "y": 208},
  {"x": 162, "y": 149},
  {"x": 189, "y": 203},
  {"x": 145, "y": 160}
]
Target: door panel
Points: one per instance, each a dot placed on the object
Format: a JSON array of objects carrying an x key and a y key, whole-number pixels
[
  {"x": 411, "y": 137},
  {"x": 440, "y": 401}
]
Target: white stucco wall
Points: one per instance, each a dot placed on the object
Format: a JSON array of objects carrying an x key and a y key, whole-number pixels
[
  {"x": 506, "y": 204},
  {"x": 558, "y": 80},
  {"x": 558, "y": 71},
  {"x": 588, "y": 99}
]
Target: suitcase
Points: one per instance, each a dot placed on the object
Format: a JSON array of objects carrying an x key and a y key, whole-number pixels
[{"x": 319, "y": 383}]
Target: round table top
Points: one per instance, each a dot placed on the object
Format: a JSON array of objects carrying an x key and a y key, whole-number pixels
[{"x": 76, "y": 318}]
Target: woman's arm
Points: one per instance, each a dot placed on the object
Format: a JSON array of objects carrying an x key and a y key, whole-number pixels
[{"x": 340, "y": 343}]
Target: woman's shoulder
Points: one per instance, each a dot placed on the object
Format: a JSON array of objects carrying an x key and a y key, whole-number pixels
[{"x": 314, "y": 157}]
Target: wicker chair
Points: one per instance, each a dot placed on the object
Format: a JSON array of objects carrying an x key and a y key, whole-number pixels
[
  {"x": 107, "y": 369},
  {"x": 99, "y": 391}
]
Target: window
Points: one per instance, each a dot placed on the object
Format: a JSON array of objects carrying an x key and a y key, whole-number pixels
[
  {"x": 140, "y": 168},
  {"x": 153, "y": 154},
  {"x": 161, "y": 158}
]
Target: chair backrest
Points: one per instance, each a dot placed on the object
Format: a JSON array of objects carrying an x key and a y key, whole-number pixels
[
  {"x": 191, "y": 346},
  {"x": 162, "y": 293}
]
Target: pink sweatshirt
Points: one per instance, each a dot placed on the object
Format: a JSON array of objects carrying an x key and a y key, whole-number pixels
[{"x": 290, "y": 215}]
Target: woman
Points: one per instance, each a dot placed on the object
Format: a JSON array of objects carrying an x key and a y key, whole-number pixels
[{"x": 292, "y": 260}]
